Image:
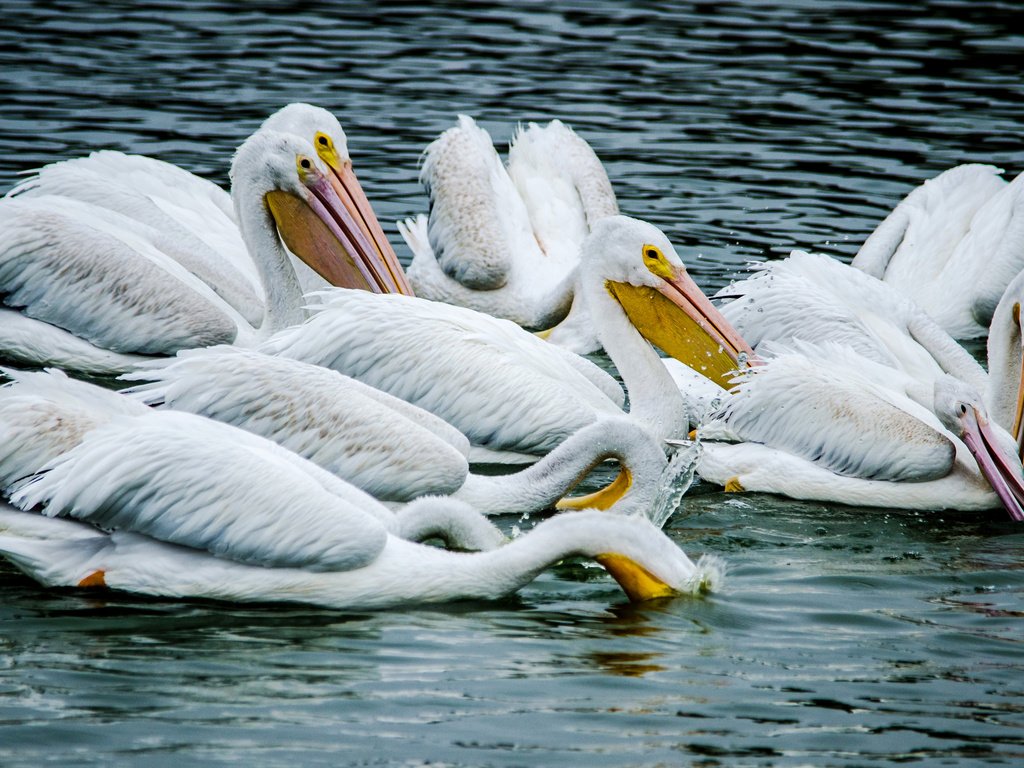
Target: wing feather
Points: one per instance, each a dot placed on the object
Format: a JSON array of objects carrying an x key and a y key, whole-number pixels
[{"x": 190, "y": 481}]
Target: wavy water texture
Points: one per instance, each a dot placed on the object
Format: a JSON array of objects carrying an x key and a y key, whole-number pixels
[{"x": 744, "y": 129}]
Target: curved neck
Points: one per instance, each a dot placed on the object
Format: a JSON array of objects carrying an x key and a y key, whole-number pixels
[
  {"x": 538, "y": 487},
  {"x": 458, "y": 525},
  {"x": 280, "y": 284},
  {"x": 655, "y": 401},
  {"x": 426, "y": 573},
  {"x": 1005, "y": 366},
  {"x": 951, "y": 357}
]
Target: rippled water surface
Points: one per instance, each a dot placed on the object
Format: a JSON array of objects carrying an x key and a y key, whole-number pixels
[{"x": 845, "y": 636}]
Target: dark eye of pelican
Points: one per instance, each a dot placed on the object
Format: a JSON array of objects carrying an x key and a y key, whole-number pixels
[
  {"x": 323, "y": 141},
  {"x": 963, "y": 408},
  {"x": 650, "y": 253},
  {"x": 305, "y": 163}
]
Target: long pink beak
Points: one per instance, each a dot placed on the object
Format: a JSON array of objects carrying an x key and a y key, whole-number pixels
[{"x": 1003, "y": 472}]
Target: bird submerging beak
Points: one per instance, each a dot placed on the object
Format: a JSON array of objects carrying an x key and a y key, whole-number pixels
[{"x": 1001, "y": 468}]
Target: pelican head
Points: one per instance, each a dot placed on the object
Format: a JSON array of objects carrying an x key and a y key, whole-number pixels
[
  {"x": 279, "y": 178},
  {"x": 960, "y": 410},
  {"x": 323, "y": 131},
  {"x": 643, "y": 273}
]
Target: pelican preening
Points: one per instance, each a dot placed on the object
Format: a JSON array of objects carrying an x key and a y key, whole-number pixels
[
  {"x": 95, "y": 287},
  {"x": 952, "y": 245},
  {"x": 506, "y": 240},
  {"x": 203, "y": 509}
]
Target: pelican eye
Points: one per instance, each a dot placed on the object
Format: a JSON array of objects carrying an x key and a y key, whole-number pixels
[
  {"x": 963, "y": 408},
  {"x": 322, "y": 140},
  {"x": 304, "y": 162},
  {"x": 656, "y": 262}
]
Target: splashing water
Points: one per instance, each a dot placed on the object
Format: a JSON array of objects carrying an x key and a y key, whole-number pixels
[{"x": 675, "y": 481}]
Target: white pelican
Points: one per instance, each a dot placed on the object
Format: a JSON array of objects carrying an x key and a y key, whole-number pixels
[
  {"x": 506, "y": 241},
  {"x": 952, "y": 245},
  {"x": 509, "y": 392},
  {"x": 389, "y": 448},
  {"x": 88, "y": 289},
  {"x": 391, "y": 571},
  {"x": 812, "y": 297},
  {"x": 194, "y": 221},
  {"x": 832, "y": 425},
  {"x": 200, "y": 509},
  {"x": 45, "y": 414}
]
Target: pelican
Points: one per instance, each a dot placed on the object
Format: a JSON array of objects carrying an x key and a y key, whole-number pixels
[
  {"x": 194, "y": 221},
  {"x": 195, "y": 508},
  {"x": 44, "y": 415},
  {"x": 952, "y": 245},
  {"x": 813, "y": 297},
  {"x": 834, "y": 426},
  {"x": 513, "y": 395},
  {"x": 389, "y": 448},
  {"x": 506, "y": 240},
  {"x": 89, "y": 289}
]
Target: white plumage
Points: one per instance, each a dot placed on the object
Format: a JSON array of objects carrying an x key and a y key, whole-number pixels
[
  {"x": 952, "y": 245},
  {"x": 162, "y": 265},
  {"x": 826, "y": 424},
  {"x": 389, "y": 448},
  {"x": 512, "y": 394},
  {"x": 505, "y": 389},
  {"x": 202, "y": 509},
  {"x": 506, "y": 241}
]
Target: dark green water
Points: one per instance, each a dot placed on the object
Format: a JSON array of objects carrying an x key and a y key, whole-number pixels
[{"x": 844, "y": 636}]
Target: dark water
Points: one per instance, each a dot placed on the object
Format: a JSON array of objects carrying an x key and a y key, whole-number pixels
[{"x": 845, "y": 637}]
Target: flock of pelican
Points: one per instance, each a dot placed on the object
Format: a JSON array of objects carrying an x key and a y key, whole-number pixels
[{"x": 302, "y": 417}]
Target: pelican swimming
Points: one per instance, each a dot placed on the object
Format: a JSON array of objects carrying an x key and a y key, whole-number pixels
[
  {"x": 831, "y": 425},
  {"x": 506, "y": 240},
  {"x": 194, "y": 508},
  {"x": 952, "y": 245},
  {"x": 44, "y": 415},
  {"x": 89, "y": 289},
  {"x": 389, "y": 448},
  {"x": 812, "y": 297},
  {"x": 513, "y": 395},
  {"x": 194, "y": 221}
]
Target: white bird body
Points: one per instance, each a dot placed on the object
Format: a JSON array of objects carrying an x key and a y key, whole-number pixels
[
  {"x": 512, "y": 394},
  {"x": 815, "y": 298},
  {"x": 952, "y": 245},
  {"x": 812, "y": 297},
  {"x": 389, "y": 448},
  {"x": 401, "y": 572},
  {"x": 70, "y": 261},
  {"x": 185, "y": 216},
  {"x": 199, "y": 508},
  {"x": 509, "y": 392},
  {"x": 125, "y": 279},
  {"x": 831, "y": 425},
  {"x": 108, "y": 446},
  {"x": 506, "y": 241}
]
